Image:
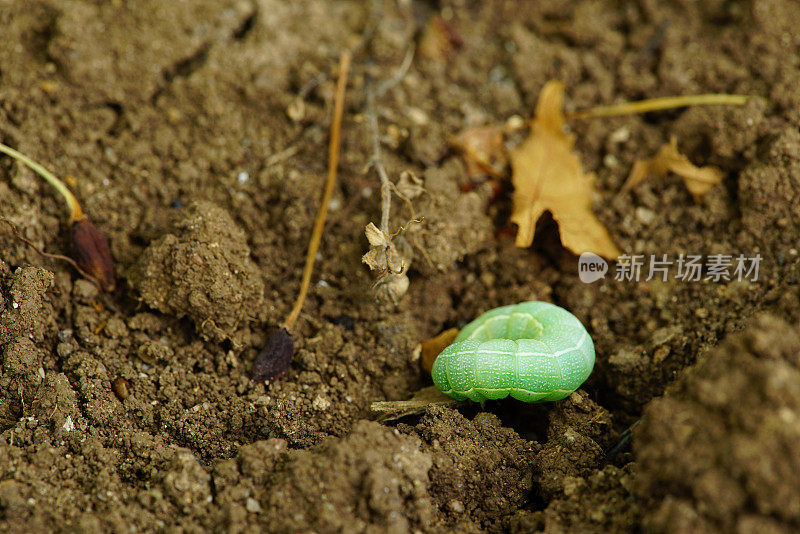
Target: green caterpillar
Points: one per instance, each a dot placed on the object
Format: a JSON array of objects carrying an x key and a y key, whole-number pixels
[{"x": 533, "y": 351}]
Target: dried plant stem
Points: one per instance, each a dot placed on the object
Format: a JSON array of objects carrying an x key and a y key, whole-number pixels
[
  {"x": 657, "y": 104},
  {"x": 72, "y": 203},
  {"x": 333, "y": 165},
  {"x": 398, "y": 76},
  {"x": 48, "y": 255},
  {"x": 372, "y": 124},
  {"x": 377, "y": 161}
]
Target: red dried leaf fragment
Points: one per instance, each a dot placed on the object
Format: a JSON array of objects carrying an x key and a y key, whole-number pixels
[{"x": 274, "y": 359}]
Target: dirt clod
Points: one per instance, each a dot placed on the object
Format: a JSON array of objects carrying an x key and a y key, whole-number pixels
[
  {"x": 571, "y": 451},
  {"x": 203, "y": 271},
  {"x": 372, "y": 479},
  {"x": 481, "y": 464}
]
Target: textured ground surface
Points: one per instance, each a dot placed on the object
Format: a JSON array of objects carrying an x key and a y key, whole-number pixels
[{"x": 194, "y": 134}]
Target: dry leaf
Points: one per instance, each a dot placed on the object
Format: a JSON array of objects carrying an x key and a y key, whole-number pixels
[
  {"x": 384, "y": 257},
  {"x": 482, "y": 149},
  {"x": 547, "y": 176},
  {"x": 430, "y": 348},
  {"x": 431, "y": 395},
  {"x": 698, "y": 180},
  {"x": 375, "y": 237}
]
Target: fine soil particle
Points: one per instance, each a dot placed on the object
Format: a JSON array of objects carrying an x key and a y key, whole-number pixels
[{"x": 194, "y": 135}]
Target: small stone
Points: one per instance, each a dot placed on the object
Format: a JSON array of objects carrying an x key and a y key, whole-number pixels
[
  {"x": 456, "y": 506},
  {"x": 620, "y": 135},
  {"x": 68, "y": 426},
  {"x": 702, "y": 313},
  {"x": 252, "y": 506},
  {"x": 610, "y": 161},
  {"x": 417, "y": 116},
  {"x": 644, "y": 215},
  {"x": 321, "y": 403},
  {"x": 296, "y": 110},
  {"x": 515, "y": 122}
]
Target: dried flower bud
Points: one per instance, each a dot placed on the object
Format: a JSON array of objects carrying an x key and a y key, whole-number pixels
[
  {"x": 274, "y": 360},
  {"x": 383, "y": 255},
  {"x": 90, "y": 251}
]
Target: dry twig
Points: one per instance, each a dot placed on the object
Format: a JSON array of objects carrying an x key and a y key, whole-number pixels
[
  {"x": 274, "y": 359},
  {"x": 333, "y": 167}
]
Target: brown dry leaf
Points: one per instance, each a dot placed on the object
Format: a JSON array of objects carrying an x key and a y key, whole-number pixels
[
  {"x": 430, "y": 348},
  {"x": 698, "y": 180},
  {"x": 547, "y": 176},
  {"x": 431, "y": 395},
  {"x": 482, "y": 149}
]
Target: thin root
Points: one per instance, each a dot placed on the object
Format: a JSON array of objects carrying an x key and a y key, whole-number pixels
[{"x": 67, "y": 259}]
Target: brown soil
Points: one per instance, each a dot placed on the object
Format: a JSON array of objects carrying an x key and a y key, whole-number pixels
[{"x": 195, "y": 133}]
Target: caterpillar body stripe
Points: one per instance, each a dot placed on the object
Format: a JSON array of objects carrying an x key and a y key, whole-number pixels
[{"x": 533, "y": 351}]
